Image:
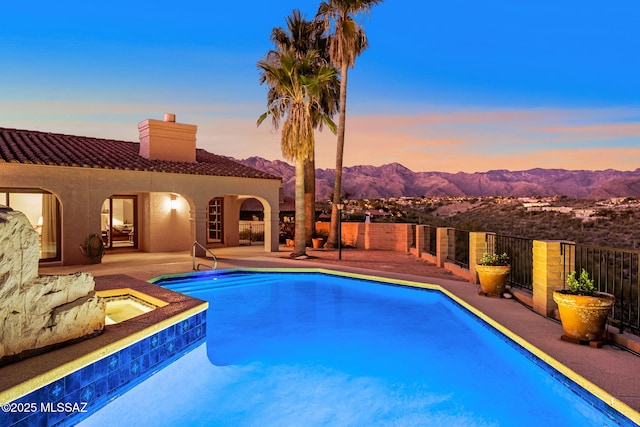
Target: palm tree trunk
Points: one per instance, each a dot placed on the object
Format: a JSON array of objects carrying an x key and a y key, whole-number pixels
[
  {"x": 332, "y": 241},
  {"x": 310, "y": 198},
  {"x": 299, "y": 248}
]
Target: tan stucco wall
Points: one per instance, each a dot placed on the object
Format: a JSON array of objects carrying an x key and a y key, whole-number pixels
[
  {"x": 81, "y": 192},
  {"x": 380, "y": 236},
  {"x": 166, "y": 229}
]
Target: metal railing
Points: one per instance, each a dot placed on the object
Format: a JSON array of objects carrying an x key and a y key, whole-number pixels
[
  {"x": 414, "y": 240},
  {"x": 251, "y": 232},
  {"x": 458, "y": 250},
  {"x": 614, "y": 271},
  {"x": 430, "y": 240},
  {"x": 520, "y": 251},
  {"x": 193, "y": 257}
]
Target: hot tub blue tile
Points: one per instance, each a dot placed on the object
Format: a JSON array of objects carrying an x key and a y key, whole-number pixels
[
  {"x": 168, "y": 349},
  {"x": 74, "y": 381},
  {"x": 101, "y": 367},
  {"x": 181, "y": 342},
  {"x": 144, "y": 362},
  {"x": 88, "y": 393},
  {"x": 88, "y": 374},
  {"x": 135, "y": 368},
  {"x": 107, "y": 378},
  {"x": 184, "y": 326},
  {"x": 154, "y": 357},
  {"x": 113, "y": 362},
  {"x": 115, "y": 380},
  {"x": 125, "y": 356},
  {"x": 154, "y": 341},
  {"x": 136, "y": 350},
  {"x": 101, "y": 387},
  {"x": 195, "y": 333},
  {"x": 55, "y": 391}
]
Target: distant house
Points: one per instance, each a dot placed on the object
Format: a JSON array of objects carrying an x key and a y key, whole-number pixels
[
  {"x": 159, "y": 194},
  {"x": 535, "y": 206},
  {"x": 584, "y": 213}
]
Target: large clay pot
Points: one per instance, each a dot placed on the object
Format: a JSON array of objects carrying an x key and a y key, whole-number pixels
[
  {"x": 317, "y": 242},
  {"x": 493, "y": 279},
  {"x": 583, "y": 317}
]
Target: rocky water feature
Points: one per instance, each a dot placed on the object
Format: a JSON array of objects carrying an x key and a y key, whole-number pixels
[{"x": 39, "y": 312}]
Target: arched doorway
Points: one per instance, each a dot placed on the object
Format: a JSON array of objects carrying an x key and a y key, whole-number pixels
[{"x": 251, "y": 223}]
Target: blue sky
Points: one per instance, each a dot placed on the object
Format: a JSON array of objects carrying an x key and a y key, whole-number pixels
[{"x": 447, "y": 86}]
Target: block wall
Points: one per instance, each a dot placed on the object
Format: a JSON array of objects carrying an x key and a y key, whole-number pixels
[
  {"x": 380, "y": 236},
  {"x": 548, "y": 274}
]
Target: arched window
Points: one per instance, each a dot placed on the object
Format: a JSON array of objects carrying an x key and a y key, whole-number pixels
[{"x": 42, "y": 209}]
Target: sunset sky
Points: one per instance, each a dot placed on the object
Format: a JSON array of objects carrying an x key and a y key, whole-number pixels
[{"x": 457, "y": 85}]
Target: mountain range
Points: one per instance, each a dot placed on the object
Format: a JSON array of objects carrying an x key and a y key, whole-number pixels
[{"x": 395, "y": 180}]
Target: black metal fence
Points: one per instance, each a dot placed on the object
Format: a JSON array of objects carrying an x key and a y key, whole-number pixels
[
  {"x": 251, "y": 232},
  {"x": 414, "y": 241},
  {"x": 458, "y": 251},
  {"x": 430, "y": 240},
  {"x": 520, "y": 251},
  {"x": 615, "y": 271}
]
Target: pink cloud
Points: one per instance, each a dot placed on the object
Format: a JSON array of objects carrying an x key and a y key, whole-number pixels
[
  {"x": 617, "y": 129},
  {"x": 450, "y": 141}
]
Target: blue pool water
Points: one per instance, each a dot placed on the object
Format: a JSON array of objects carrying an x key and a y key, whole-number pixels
[{"x": 310, "y": 349}]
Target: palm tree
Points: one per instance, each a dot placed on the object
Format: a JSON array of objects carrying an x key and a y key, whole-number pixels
[
  {"x": 296, "y": 84},
  {"x": 347, "y": 40},
  {"x": 303, "y": 36}
]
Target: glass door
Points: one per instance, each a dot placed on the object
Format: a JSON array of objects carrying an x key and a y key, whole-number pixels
[{"x": 119, "y": 222}]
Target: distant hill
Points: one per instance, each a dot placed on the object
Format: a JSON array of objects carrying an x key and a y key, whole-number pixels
[{"x": 395, "y": 180}]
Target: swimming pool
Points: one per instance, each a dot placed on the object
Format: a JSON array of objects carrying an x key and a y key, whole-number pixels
[{"x": 321, "y": 349}]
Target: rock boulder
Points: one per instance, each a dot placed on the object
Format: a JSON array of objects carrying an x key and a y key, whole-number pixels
[{"x": 39, "y": 312}]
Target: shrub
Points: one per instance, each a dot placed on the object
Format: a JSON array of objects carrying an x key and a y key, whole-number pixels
[
  {"x": 583, "y": 285},
  {"x": 494, "y": 259}
]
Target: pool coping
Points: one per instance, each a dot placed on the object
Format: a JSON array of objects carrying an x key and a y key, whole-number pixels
[
  {"x": 22, "y": 377},
  {"x": 33, "y": 368},
  {"x": 563, "y": 371}
]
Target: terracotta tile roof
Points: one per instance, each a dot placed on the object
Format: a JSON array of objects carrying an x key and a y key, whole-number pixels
[{"x": 35, "y": 147}]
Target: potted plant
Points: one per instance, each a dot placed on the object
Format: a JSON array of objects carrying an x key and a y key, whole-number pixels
[
  {"x": 318, "y": 239},
  {"x": 493, "y": 270},
  {"x": 94, "y": 248},
  {"x": 317, "y": 242},
  {"x": 583, "y": 310}
]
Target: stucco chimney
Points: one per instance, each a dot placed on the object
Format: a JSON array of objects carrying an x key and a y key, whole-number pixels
[{"x": 167, "y": 140}]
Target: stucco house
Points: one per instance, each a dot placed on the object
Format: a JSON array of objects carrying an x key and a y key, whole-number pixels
[{"x": 160, "y": 194}]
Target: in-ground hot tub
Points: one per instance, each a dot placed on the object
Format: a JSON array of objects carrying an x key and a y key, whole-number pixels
[{"x": 126, "y": 303}]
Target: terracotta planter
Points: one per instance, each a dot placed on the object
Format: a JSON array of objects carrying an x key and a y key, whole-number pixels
[
  {"x": 583, "y": 317},
  {"x": 317, "y": 242},
  {"x": 493, "y": 279}
]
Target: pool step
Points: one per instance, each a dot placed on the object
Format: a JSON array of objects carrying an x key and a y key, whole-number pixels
[{"x": 189, "y": 285}]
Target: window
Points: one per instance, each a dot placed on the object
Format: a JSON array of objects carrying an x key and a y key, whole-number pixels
[
  {"x": 42, "y": 209},
  {"x": 214, "y": 224}
]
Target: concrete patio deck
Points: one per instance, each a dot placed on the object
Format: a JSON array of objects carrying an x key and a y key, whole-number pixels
[{"x": 615, "y": 370}]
